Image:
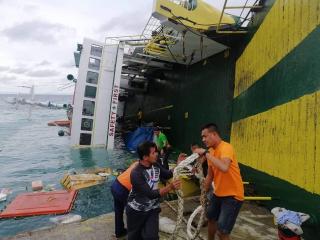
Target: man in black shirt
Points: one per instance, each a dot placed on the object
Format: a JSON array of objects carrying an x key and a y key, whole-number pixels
[{"x": 144, "y": 199}]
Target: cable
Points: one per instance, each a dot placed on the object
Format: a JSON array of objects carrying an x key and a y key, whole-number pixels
[
  {"x": 192, "y": 31},
  {"x": 201, "y": 24},
  {"x": 169, "y": 48},
  {"x": 186, "y": 19}
]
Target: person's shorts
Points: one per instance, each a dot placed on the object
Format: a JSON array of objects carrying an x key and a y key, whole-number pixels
[{"x": 224, "y": 211}]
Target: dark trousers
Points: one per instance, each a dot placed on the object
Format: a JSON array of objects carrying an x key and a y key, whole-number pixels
[
  {"x": 120, "y": 198},
  {"x": 163, "y": 158},
  {"x": 143, "y": 225}
]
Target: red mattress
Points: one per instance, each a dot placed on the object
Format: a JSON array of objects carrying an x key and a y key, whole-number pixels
[{"x": 41, "y": 203}]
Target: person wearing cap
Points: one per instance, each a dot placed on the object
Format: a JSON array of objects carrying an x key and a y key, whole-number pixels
[
  {"x": 160, "y": 139},
  {"x": 120, "y": 189}
]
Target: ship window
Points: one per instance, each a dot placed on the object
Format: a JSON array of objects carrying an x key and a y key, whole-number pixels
[
  {"x": 88, "y": 108},
  {"x": 86, "y": 124},
  {"x": 92, "y": 77},
  {"x": 85, "y": 139},
  {"x": 189, "y": 4},
  {"x": 90, "y": 92},
  {"x": 96, "y": 50},
  {"x": 94, "y": 64}
]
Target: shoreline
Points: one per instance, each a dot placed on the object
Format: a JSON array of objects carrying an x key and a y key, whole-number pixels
[{"x": 254, "y": 223}]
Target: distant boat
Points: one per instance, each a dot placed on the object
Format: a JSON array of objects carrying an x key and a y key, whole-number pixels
[
  {"x": 23, "y": 101},
  {"x": 11, "y": 100}
]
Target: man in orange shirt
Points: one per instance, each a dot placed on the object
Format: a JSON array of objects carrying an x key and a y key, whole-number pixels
[
  {"x": 120, "y": 189},
  {"x": 224, "y": 174}
]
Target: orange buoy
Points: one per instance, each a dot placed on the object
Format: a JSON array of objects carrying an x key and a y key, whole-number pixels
[{"x": 40, "y": 203}]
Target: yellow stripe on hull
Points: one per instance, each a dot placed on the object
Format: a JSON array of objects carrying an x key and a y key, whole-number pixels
[
  {"x": 286, "y": 25},
  {"x": 283, "y": 142}
]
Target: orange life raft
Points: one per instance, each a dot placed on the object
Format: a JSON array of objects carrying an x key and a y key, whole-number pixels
[
  {"x": 61, "y": 123},
  {"x": 40, "y": 203}
]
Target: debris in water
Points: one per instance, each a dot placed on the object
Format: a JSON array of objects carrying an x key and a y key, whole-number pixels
[
  {"x": 3, "y": 197},
  {"x": 64, "y": 219},
  {"x": 37, "y": 185}
]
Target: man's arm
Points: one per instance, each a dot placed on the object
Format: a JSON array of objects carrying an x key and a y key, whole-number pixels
[
  {"x": 164, "y": 173},
  {"x": 173, "y": 185},
  {"x": 222, "y": 164}
]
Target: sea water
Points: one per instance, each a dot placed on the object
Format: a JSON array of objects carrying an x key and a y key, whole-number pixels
[{"x": 30, "y": 150}]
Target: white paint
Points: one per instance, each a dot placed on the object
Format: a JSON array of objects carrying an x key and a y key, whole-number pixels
[
  {"x": 115, "y": 94},
  {"x": 106, "y": 100}
]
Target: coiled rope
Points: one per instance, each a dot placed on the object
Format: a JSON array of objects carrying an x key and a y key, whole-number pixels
[
  {"x": 200, "y": 209},
  {"x": 186, "y": 164}
]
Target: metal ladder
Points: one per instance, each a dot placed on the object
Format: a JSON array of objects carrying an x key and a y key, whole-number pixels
[{"x": 255, "y": 5}]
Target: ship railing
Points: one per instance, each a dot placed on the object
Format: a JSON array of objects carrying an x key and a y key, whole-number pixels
[
  {"x": 153, "y": 26},
  {"x": 130, "y": 42},
  {"x": 246, "y": 8},
  {"x": 133, "y": 40}
]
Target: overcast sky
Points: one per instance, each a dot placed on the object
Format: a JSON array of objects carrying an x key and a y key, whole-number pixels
[{"x": 38, "y": 37}]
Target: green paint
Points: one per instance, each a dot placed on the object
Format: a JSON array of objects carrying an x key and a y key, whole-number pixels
[
  {"x": 288, "y": 196},
  {"x": 294, "y": 76},
  {"x": 204, "y": 90}
]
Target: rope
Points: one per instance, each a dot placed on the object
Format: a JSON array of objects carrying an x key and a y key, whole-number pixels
[
  {"x": 200, "y": 209},
  {"x": 183, "y": 219},
  {"x": 185, "y": 164}
]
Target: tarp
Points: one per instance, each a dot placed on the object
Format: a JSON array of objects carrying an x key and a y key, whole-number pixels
[{"x": 141, "y": 134}]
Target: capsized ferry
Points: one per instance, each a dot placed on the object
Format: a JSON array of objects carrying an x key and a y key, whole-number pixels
[{"x": 253, "y": 68}]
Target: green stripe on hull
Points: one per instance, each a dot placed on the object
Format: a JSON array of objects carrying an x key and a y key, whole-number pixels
[
  {"x": 294, "y": 76},
  {"x": 288, "y": 196}
]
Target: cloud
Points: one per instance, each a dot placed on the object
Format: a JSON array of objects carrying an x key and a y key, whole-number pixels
[
  {"x": 7, "y": 78},
  {"x": 4, "y": 68},
  {"x": 132, "y": 22},
  {"x": 29, "y": 8},
  {"x": 19, "y": 70},
  {"x": 38, "y": 31},
  {"x": 68, "y": 64},
  {"x": 44, "y": 63},
  {"x": 43, "y": 73}
]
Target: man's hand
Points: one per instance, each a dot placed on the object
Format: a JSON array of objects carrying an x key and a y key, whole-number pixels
[
  {"x": 181, "y": 157},
  {"x": 206, "y": 186},
  {"x": 161, "y": 152},
  {"x": 194, "y": 170},
  {"x": 200, "y": 151},
  {"x": 175, "y": 184}
]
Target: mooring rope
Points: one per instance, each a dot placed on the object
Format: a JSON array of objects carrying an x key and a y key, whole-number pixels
[
  {"x": 200, "y": 209},
  {"x": 186, "y": 164}
]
